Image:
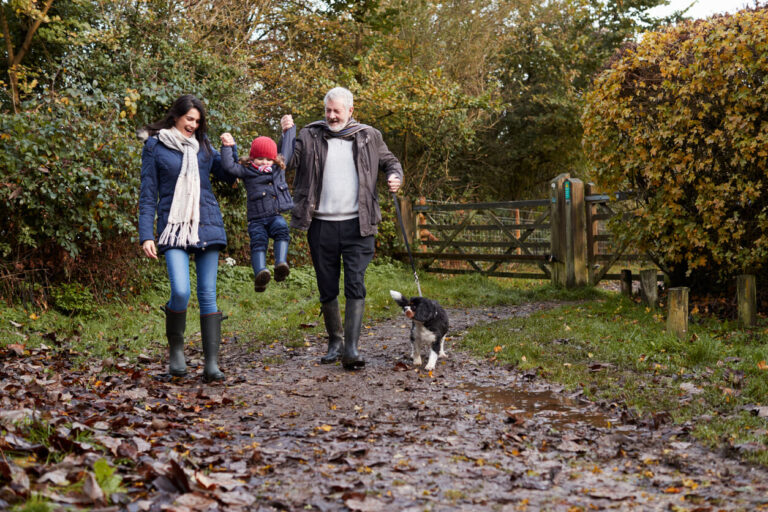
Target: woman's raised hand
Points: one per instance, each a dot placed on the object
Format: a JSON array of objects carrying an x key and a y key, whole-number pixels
[{"x": 227, "y": 139}]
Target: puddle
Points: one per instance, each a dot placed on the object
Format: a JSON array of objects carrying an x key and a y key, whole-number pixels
[{"x": 546, "y": 406}]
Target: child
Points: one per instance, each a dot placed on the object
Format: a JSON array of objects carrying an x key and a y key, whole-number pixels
[{"x": 268, "y": 195}]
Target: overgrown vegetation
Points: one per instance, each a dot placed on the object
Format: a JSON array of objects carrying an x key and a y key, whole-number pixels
[
  {"x": 477, "y": 98},
  {"x": 680, "y": 119}
]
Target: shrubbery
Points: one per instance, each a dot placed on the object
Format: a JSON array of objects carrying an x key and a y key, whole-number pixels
[
  {"x": 67, "y": 182},
  {"x": 681, "y": 118}
]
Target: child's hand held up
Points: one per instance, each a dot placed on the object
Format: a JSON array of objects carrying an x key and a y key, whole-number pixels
[{"x": 227, "y": 139}]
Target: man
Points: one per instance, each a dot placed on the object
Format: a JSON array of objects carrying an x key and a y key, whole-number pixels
[{"x": 337, "y": 161}]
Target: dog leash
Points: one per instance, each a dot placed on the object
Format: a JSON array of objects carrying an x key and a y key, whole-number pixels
[{"x": 405, "y": 239}]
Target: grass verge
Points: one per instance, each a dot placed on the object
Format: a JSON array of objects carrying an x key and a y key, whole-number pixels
[{"x": 619, "y": 351}]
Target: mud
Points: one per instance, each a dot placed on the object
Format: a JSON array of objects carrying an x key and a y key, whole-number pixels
[{"x": 472, "y": 436}]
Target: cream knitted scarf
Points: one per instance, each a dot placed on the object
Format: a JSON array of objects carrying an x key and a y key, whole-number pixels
[{"x": 184, "y": 217}]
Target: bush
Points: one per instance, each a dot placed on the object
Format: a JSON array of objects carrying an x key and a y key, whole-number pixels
[
  {"x": 68, "y": 181},
  {"x": 73, "y": 299},
  {"x": 681, "y": 118}
]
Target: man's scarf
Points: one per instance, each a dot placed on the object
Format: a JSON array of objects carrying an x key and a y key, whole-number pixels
[
  {"x": 184, "y": 217},
  {"x": 350, "y": 129}
]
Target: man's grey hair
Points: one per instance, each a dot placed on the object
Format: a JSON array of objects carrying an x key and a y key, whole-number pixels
[{"x": 340, "y": 93}]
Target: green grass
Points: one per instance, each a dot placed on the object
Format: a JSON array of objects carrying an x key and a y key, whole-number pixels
[
  {"x": 286, "y": 313},
  {"x": 617, "y": 350}
]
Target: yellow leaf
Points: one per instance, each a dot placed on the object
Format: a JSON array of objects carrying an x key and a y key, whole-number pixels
[
  {"x": 762, "y": 366},
  {"x": 325, "y": 428},
  {"x": 497, "y": 348},
  {"x": 33, "y": 316}
]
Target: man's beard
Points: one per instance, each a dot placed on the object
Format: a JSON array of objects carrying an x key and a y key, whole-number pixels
[{"x": 337, "y": 126}]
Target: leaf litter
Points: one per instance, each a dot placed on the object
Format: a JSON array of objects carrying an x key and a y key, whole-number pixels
[{"x": 294, "y": 435}]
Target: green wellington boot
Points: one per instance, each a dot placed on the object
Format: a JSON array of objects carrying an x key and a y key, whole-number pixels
[
  {"x": 175, "y": 324},
  {"x": 353, "y": 321},
  {"x": 210, "y": 329},
  {"x": 332, "y": 318}
]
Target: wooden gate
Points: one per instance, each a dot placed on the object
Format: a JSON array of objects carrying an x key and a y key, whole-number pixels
[
  {"x": 503, "y": 239},
  {"x": 562, "y": 238}
]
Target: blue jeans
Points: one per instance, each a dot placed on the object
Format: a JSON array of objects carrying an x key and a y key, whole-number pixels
[
  {"x": 206, "y": 264},
  {"x": 261, "y": 230}
]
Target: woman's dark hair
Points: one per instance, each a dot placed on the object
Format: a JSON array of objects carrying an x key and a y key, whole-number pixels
[{"x": 181, "y": 106}]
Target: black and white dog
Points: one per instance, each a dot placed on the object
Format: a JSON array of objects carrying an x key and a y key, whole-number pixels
[{"x": 430, "y": 324}]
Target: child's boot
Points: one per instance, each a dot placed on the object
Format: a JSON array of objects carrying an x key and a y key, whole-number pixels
[
  {"x": 281, "y": 260},
  {"x": 259, "y": 262}
]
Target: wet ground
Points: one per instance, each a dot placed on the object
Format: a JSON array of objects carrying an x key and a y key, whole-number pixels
[{"x": 286, "y": 433}]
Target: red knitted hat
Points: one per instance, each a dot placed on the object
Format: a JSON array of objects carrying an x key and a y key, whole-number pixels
[{"x": 263, "y": 147}]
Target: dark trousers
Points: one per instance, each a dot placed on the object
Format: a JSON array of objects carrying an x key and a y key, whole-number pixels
[
  {"x": 332, "y": 242},
  {"x": 261, "y": 230}
]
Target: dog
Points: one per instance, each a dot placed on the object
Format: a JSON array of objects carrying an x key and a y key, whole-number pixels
[{"x": 429, "y": 327}]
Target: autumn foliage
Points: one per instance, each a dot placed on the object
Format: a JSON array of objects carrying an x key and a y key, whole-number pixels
[{"x": 681, "y": 119}]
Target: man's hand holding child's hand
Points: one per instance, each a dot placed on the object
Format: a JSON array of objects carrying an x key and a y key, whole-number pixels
[
  {"x": 227, "y": 139},
  {"x": 286, "y": 122}
]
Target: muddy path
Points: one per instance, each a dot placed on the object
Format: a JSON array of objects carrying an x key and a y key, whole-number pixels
[{"x": 286, "y": 433}]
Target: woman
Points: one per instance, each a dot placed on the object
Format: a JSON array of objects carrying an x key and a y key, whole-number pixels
[{"x": 176, "y": 165}]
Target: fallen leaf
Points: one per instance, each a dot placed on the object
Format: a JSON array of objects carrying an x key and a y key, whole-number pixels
[{"x": 92, "y": 489}]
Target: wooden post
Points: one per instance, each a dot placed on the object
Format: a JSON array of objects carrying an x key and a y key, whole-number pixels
[
  {"x": 558, "y": 233},
  {"x": 577, "y": 270},
  {"x": 592, "y": 246},
  {"x": 746, "y": 290},
  {"x": 649, "y": 287},
  {"x": 677, "y": 318},
  {"x": 516, "y": 216},
  {"x": 409, "y": 219},
  {"x": 626, "y": 282}
]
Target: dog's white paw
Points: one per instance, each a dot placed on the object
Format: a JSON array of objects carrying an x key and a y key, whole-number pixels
[
  {"x": 432, "y": 361},
  {"x": 396, "y": 295},
  {"x": 442, "y": 354},
  {"x": 417, "y": 361}
]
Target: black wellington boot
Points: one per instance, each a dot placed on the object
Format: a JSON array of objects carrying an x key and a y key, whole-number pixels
[
  {"x": 332, "y": 317},
  {"x": 210, "y": 330},
  {"x": 175, "y": 324},
  {"x": 353, "y": 321}
]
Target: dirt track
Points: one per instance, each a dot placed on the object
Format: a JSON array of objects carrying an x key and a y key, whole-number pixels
[
  {"x": 286, "y": 433},
  {"x": 474, "y": 436}
]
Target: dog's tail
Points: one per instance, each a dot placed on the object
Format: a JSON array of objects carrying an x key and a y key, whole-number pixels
[{"x": 398, "y": 297}]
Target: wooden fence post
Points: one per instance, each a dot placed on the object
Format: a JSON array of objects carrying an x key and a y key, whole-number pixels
[
  {"x": 649, "y": 287},
  {"x": 626, "y": 282},
  {"x": 746, "y": 290},
  {"x": 677, "y": 318},
  {"x": 569, "y": 237},
  {"x": 557, "y": 221},
  {"x": 577, "y": 270},
  {"x": 592, "y": 231}
]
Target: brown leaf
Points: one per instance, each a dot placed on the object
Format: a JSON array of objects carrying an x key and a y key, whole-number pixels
[
  {"x": 178, "y": 477},
  {"x": 16, "y": 349},
  {"x": 366, "y": 505},
  {"x": 127, "y": 450},
  {"x": 194, "y": 501},
  {"x": 236, "y": 498},
  {"x": 92, "y": 489}
]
